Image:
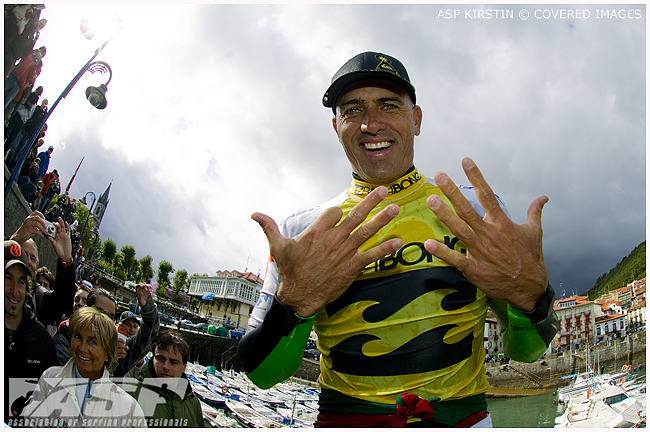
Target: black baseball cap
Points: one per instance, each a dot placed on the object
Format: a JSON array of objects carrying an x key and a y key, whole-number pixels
[
  {"x": 367, "y": 65},
  {"x": 129, "y": 315},
  {"x": 14, "y": 254}
]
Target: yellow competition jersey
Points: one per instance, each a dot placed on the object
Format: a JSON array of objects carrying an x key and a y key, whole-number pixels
[{"x": 409, "y": 322}]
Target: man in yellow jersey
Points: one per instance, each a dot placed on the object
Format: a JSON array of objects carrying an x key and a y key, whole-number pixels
[{"x": 396, "y": 274}]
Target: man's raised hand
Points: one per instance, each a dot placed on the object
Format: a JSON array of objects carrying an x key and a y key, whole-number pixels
[
  {"x": 319, "y": 264},
  {"x": 504, "y": 259}
]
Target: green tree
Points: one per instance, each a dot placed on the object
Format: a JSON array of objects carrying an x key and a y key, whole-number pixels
[
  {"x": 118, "y": 266},
  {"x": 161, "y": 292},
  {"x": 146, "y": 270},
  {"x": 178, "y": 298},
  {"x": 109, "y": 249},
  {"x": 180, "y": 281},
  {"x": 129, "y": 263},
  {"x": 164, "y": 269},
  {"x": 120, "y": 274},
  {"x": 81, "y": 214},
  {"x": 629, "y": 269}
]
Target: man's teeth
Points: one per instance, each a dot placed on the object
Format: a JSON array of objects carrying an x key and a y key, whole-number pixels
[{"x": 375, "y": 146}]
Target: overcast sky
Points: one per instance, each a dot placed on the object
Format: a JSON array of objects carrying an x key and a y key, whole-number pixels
[{"x": 214, "y": 112}]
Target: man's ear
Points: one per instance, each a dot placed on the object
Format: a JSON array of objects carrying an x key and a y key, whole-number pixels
[
  {"x": 334, "y": 125},
  {"x": 417, "y": 117}
]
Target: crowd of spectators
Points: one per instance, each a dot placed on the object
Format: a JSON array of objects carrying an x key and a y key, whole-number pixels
[
  {"x": 24, "y": 110},
  {"x": 61, "y": 337}
]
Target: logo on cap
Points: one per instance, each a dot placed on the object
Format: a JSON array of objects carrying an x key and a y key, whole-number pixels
[
  {"x": 14, "y": 250},
  {"x": 384, "y": 64}
]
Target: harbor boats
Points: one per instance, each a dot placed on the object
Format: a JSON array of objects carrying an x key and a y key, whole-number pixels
[
  {"x": 284, "y": 405},
  {"x": 217, "y": 418},
  {"x": 249, "y": 417},
  {"x": 207, "y": 396},
  {"x": 610, "y": 407},
  {"x": 580, "y": 383},
  {"x": 299, "y": 413},
  {"x": 585, "y": 381}
]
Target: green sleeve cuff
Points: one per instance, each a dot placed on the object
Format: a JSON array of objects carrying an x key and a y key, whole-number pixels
[
  {"x": 541, "y": 313},
  {"x": 529, "y": 334},
  {"x": 285, "y": 359}
]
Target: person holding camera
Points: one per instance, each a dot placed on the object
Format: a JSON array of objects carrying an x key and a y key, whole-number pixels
[{"x": 49, "y": 305}]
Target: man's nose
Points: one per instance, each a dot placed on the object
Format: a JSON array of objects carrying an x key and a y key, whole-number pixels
[
  {"x": 15, "y": 288},
  {"x": 372, "y": 122}
]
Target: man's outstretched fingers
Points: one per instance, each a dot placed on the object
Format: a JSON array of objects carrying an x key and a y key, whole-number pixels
[
  {"x": 360, "y": 211},
  {"x": 441, "y": 251},
  {"x": 268, "y": 225},
  {"x": 459, "y": 227},
  {"x": 484, "y": 192},
  {"x": 535, "y": 209},
  {"x": 370, "y": 228},
  {"x": 461, "y": 205},
  {"x": 380, "y": 251}
]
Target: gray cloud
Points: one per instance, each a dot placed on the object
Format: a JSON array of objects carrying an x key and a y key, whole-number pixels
[{"x": 214, "y": 113}]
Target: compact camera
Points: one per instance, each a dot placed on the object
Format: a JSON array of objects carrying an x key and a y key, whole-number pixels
[{"x": 50, "y": 229}]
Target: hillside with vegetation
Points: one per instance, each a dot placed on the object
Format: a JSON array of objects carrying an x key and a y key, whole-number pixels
[{"x": 631, "y": 268}]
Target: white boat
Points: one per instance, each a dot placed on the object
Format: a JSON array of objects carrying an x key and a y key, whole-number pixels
[
  {"x": 299, "y": 413},
  {"x": 585, "y": 381},
  {"x": 609, "y": 408},
  {"x": 217, "y": 418},
  {"x": 581, "y": 382},
  {"x": 249, "y": 417}
]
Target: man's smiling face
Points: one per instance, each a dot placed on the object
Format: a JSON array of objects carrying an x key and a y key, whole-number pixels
[
  {"x": 376, "y": 123},
  {"x": 15, "y": 290}
]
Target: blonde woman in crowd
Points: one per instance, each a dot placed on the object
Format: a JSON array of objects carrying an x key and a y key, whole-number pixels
[{"x": 81, "y": 394}]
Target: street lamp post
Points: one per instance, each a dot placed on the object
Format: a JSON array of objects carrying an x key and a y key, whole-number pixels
[{"x": 96, "y": 96}]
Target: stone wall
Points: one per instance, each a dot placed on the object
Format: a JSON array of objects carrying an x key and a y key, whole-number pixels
[
  {"x": 551, "y": 368},
  {"x": 16, "y": 210}
]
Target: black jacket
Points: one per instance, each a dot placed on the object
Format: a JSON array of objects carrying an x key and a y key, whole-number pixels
[
  {"x": 140, "y": 344},
  {"x": 49, "y": 305},
  {"x": 29, "y": 351}
]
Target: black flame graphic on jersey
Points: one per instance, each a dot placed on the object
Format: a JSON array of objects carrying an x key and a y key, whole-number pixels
[{"x": 424, "y": 353}]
